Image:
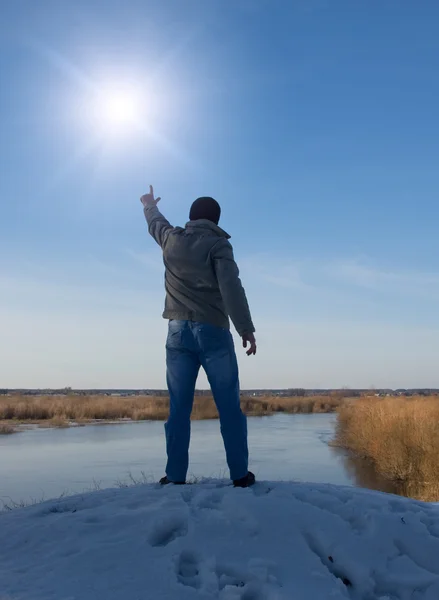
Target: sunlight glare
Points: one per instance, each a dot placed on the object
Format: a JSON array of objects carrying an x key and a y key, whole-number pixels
[
  {"x": 120, "y": 108},
  {"x": 117, "y": 110}
]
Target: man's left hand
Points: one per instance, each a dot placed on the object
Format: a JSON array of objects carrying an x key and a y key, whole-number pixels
[
  {"x": 249, "y": 338},
  {"x": 148, "y": 199}
]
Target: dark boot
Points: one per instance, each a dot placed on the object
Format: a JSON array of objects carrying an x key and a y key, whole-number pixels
[
  {"x": 164, "y": 481},
  {"x": 246, "y": 481}
]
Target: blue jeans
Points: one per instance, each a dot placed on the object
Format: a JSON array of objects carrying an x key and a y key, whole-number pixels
[{"x": 189, "y": 346}]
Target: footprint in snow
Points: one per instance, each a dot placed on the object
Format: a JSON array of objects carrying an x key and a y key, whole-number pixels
[
  {"x": 165, "y": 531},
  {"x": 209, "y": 500},
  {"x": 188, "y": 572},
  {"x": 328, "y": 561},
  {"x": 256, "y": 582}
]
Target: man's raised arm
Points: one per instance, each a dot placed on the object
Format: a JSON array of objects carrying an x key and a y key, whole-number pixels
[{"x": 158, "y": 226}]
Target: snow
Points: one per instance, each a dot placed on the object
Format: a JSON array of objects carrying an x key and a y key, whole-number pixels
[{"x": 208, "y": 540}]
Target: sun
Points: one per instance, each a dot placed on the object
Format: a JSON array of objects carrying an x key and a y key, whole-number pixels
[
  {"x": 120, "y": 107},
  {"x": 117, "y": 110}
]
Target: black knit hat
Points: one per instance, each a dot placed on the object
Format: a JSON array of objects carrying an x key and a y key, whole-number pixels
[{"x": 205, "y": 208}]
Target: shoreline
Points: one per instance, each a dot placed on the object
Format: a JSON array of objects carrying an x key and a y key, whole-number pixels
[
  {"x": 22, "y": 427},
  {"x": 20, "y": 412}
]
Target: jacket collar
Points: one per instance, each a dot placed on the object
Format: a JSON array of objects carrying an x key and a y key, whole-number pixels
[{"x": 206, "y": 224}]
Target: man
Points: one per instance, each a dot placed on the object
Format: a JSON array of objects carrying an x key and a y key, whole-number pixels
[{"x": 203, "y": 290}]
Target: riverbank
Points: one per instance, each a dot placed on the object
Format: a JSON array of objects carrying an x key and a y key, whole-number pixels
[
  {"x": 399, "y": 436},
  {"x": 274, "y": 541},
  {"x": 62, "y": 411},
  {"x": 52, "y": 462}
]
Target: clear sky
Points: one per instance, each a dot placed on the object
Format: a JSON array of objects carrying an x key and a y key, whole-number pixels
[{"x": 315, "y": 123}]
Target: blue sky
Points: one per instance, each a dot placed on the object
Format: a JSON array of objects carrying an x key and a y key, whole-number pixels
[{"x": 315, "y": 125}]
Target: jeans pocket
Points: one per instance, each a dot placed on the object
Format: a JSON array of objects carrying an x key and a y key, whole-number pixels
[
  {"x": 215, "y": 340},
  {"x": 175, "y": 333},
  {"x": 174, "y": 341}
]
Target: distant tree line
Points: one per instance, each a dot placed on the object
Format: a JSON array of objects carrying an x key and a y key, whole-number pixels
[{"x": 286, "y": 393}]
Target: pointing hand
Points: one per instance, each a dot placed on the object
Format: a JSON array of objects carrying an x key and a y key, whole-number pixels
[{"x": 148, "y": 199}]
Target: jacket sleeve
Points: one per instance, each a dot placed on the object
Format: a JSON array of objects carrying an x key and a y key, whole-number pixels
[
  {"x": 232, "y": 292},
  {"x": 158, "y": 226}
]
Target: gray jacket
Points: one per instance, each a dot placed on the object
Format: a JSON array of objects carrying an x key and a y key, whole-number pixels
[{"x": 201, "y": 278}]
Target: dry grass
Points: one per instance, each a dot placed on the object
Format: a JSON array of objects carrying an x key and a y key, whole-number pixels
[
  {"x": 400, "y": 436},
  {"x": 58, "y": 421},
  {"x": 6, "y": 428},
  {"x": 58, "y": 411},
  {"x": 258, "y": 406}
]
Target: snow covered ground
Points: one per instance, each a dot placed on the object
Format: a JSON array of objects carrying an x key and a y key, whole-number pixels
[{"x": 204, "y": 541}]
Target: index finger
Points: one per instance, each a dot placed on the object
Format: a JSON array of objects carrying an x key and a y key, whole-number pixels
[{"x": 151, "y": 191}]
